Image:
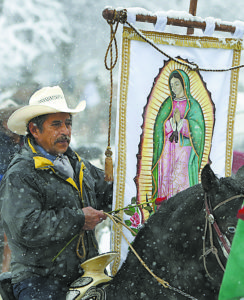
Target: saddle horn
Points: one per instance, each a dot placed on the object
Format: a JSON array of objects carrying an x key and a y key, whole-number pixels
[{"x": 94, "y": 274}]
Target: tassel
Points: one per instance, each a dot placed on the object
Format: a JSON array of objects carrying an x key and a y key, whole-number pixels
[{"x": 108, "y": 165}]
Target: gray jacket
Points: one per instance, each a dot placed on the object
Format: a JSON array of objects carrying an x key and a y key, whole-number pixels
[{"x": 42, "y": 212}]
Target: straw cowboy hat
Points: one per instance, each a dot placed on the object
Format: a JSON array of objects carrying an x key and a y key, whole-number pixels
[{"x": 47, "y": 100}]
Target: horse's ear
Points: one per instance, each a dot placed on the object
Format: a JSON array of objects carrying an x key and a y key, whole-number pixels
[
  {"x": 209, "y": 179},
  {"x": 240, "y": 174}
]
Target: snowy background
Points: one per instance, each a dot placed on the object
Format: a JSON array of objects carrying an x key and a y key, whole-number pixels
[{"x": 63, "y": 42}]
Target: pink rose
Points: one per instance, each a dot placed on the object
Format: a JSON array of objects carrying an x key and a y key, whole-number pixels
[{"x": 135, "y": 220}]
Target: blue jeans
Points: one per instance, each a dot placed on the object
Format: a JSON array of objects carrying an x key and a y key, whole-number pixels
[{"x": 40, "y": 288}]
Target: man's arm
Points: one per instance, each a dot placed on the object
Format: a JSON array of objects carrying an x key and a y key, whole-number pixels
[{"x": 29, "y": 223}]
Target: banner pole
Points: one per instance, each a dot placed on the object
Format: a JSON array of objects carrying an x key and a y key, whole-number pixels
[
  {"x": 194, "y": 22},
  {"x": 193, "y": 11}
]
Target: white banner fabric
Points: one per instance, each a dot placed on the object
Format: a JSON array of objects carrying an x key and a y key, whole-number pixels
[{"x": 142, "y": 67}]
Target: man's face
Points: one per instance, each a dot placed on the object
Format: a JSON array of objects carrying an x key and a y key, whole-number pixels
[{"x": 56, "y": 133}]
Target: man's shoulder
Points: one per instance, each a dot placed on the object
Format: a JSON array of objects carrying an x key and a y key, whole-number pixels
[{"x": 21, "y": 162}]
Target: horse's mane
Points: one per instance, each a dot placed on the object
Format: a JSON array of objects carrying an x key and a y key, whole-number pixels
[{"x": 235, "y": 182}]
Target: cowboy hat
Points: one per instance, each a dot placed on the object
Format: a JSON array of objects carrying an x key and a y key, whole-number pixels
[{"x": 47, "y": 100}]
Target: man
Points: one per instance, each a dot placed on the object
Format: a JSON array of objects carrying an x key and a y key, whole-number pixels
[{"x": 52, "y": 200}]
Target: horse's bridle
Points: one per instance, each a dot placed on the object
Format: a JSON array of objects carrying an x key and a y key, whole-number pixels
[{"x": 210, "y": 221}]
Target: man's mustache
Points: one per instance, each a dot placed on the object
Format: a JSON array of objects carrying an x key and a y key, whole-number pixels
[{"x": 63, "y": 138}]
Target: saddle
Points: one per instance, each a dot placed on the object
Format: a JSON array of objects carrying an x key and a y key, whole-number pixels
[{"x": 94, "y": 275}]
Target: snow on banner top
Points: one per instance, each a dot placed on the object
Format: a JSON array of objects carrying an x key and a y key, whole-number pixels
[{"x": 177, "y": 18}]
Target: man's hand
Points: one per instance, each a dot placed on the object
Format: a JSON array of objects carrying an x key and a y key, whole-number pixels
[{"x": 92, "y": 217}]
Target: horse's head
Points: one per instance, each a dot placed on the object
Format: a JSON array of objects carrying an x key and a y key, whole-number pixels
[{"x": 225, "y": 197}]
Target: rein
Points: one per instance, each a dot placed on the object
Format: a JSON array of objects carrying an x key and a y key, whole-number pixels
[
  {"x": 165, "y": 284},
  {"x": 210, "y": 221}
]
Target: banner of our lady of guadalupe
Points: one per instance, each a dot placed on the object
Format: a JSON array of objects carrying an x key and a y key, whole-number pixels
[{"x": 171, "y": 120}]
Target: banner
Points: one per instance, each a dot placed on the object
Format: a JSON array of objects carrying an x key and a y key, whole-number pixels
[{"x": 171, "y": 120}]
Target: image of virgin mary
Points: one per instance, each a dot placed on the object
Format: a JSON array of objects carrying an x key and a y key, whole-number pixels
[{"x": 178, "y": 140}]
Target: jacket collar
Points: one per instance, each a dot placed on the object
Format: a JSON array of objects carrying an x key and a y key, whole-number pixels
[{"x": 42, "y": 162}]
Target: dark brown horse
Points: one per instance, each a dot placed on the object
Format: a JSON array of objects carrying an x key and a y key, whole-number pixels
[{"x": 172, "y": 243}]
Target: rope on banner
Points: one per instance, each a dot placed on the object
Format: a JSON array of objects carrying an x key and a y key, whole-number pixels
[{"x": 108, "y": 152}]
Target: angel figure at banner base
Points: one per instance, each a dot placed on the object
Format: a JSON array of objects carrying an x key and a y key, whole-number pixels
[{"x": 177, "y": 132}]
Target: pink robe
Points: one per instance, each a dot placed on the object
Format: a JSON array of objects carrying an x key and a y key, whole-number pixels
[{"x": 173, "y": 164}]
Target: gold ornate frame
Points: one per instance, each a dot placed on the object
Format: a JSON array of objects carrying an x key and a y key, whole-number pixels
[{"x": 177, "y": 40}]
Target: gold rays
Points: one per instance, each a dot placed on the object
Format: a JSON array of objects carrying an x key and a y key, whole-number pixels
[{"x": 159, "y": 93}]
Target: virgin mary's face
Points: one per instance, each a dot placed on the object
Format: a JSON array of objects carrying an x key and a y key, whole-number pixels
[{"x": 177, "y": 87}]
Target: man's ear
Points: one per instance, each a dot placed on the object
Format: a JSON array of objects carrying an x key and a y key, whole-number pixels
[{"x": 33, "y": 129}]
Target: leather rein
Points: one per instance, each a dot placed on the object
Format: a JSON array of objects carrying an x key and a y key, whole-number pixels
[{"x": 211, "y": 222}]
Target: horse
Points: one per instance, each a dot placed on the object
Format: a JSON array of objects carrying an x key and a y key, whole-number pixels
[{"x": 179, "y": 245}]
